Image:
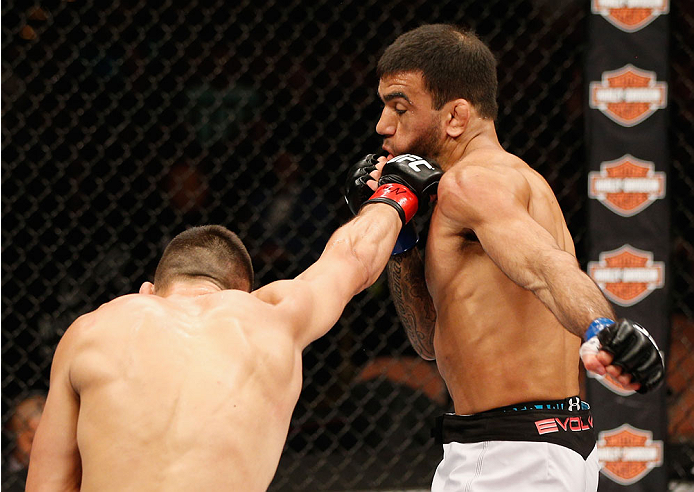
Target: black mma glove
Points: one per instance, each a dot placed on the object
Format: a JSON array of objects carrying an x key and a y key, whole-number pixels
[
  {"x": 407, "y": 183},
  {"x": 633, "y": 348},
  {"x": 357, "y": 191}
]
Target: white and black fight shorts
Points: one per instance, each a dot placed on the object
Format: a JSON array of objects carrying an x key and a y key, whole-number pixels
[{"x": 544, "y": 446}]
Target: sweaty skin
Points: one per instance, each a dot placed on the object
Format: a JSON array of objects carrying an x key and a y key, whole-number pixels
[
  {"x": 495, "y": 342},
  {"x": 505, "y": 303},
  {"x": 194, "y": 388},
  {"x": 172, "y": 388}
]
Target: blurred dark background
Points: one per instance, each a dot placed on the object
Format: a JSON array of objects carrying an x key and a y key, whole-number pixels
[{"x": 125, "y": 122}]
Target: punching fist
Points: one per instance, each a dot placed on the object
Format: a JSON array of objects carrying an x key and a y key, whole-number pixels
[
  {"x": 406, "y": 182},
  {"x": 632, "y": 347},
  {"x": 357, "y": 189}
]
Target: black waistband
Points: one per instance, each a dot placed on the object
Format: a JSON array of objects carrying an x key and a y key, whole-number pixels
[
  {"x": 573, "y": 403},
  {"x": 535, "y": 422}
]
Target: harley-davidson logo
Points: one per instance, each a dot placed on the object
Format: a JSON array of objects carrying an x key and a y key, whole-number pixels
[
  {"x": 630, "y": 15},
  {"x": 626, "y": 185},
  {"x": 627, "y": 275},
  {"x": 627, "y": 454},
  {"x": 628, "y": 95}
]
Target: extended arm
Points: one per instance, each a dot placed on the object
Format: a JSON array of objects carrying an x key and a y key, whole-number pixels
[
  {"x": 357, "y": 253},
  {"x": 479, "y": 199},
  {"x": 55, "y": 459},
  {"x": 412, "y": 301},
  {"x": 405, "y": 269},
  {"x": 353, "y": 259},
  {"x": 497, "y": 210}
]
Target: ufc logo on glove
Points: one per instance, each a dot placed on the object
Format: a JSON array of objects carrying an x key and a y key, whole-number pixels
[{"x": 414, "y": 161}]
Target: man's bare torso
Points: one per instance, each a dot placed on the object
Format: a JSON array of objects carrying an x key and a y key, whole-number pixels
[
  {"x": 496, "y": 344},
  {"x": 184, "y": 393}
]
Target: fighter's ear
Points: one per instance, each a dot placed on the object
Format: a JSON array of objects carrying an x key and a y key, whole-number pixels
[
  {"x": 147, "y": 288},
  {"x": 458, "y": 117}
]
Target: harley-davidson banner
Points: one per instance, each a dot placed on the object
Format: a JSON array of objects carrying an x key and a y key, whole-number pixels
[{"x": 629, "y": 221}]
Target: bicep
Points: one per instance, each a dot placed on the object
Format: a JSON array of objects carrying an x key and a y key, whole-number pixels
[
  {"x": 326, "y": 287},
  {"x": 55, "y": 460},
  {"x": 353, "y": 259},
  {"x": 522, "y": 248},
  {"x": 312, "y": 303}
]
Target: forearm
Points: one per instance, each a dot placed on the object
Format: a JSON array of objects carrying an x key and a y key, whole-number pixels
[
  {"x": 539, "y": 265},
  {"x": 367, "y": 241},
  {"x": 412, "y": 301},
  {"x": 572, "y": 296}
]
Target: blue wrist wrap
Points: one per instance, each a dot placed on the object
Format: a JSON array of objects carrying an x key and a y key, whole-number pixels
[
  {"x": 407, "y": 239},
  {"x": 596, "y": 326}
]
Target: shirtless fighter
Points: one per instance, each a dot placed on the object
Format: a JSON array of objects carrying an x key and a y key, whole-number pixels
[
  {"x": 191, "y": 384},
  {"x": 507, "y": 305}
]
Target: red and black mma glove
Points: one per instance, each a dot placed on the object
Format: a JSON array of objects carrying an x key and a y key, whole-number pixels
[
  {"x": 633, "y": 348},
  {"x": 408, "y": 183},
  {"x": 358, "y": 192}
]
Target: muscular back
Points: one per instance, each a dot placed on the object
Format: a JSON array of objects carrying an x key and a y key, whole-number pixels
[
  {"x": 194, "y": 390},
  {"x": 496, "y": 343},
  {"x": 172, "y": 389}
]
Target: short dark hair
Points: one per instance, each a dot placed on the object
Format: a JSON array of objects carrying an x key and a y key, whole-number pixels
[
  {"x": 211, "y": 252},
  {"x": 454, "y": 63}
]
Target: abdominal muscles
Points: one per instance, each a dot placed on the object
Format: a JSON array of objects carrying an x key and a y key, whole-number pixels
[{"x": 496, "y": 343}]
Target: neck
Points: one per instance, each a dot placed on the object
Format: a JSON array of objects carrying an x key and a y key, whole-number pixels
[
  {"x": 190, "y": 289},
  {"x": 478, "y": 134}
]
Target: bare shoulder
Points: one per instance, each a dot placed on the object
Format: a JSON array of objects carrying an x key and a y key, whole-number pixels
[
  {"x": 108, "y": 314},
  {"x": 289, "y": 297},
  {"x": 485, "y": 181},
  {"x": 273, "y": 293},
  {"x": 294, "y": 304},
  {"x": 76, "y": 337}
]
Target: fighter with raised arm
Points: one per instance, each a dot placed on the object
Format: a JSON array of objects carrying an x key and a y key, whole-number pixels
[
  {"x": 500, "y": 300},
  {"x": 191, "y": 384}
]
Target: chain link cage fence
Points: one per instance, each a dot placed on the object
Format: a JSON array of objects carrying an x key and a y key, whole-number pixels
[{"x": 125, "y": 122}]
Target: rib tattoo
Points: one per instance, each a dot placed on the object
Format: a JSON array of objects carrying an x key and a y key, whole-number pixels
[{"x": 413, "y": 302}]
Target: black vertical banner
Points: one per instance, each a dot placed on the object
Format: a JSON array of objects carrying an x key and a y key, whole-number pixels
[{"x": 629, "y": 220}]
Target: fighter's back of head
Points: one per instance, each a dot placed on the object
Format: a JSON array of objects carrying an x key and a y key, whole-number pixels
[
  {"x": 454, "y": 63},
  {"x": 210, "y": 252}
]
